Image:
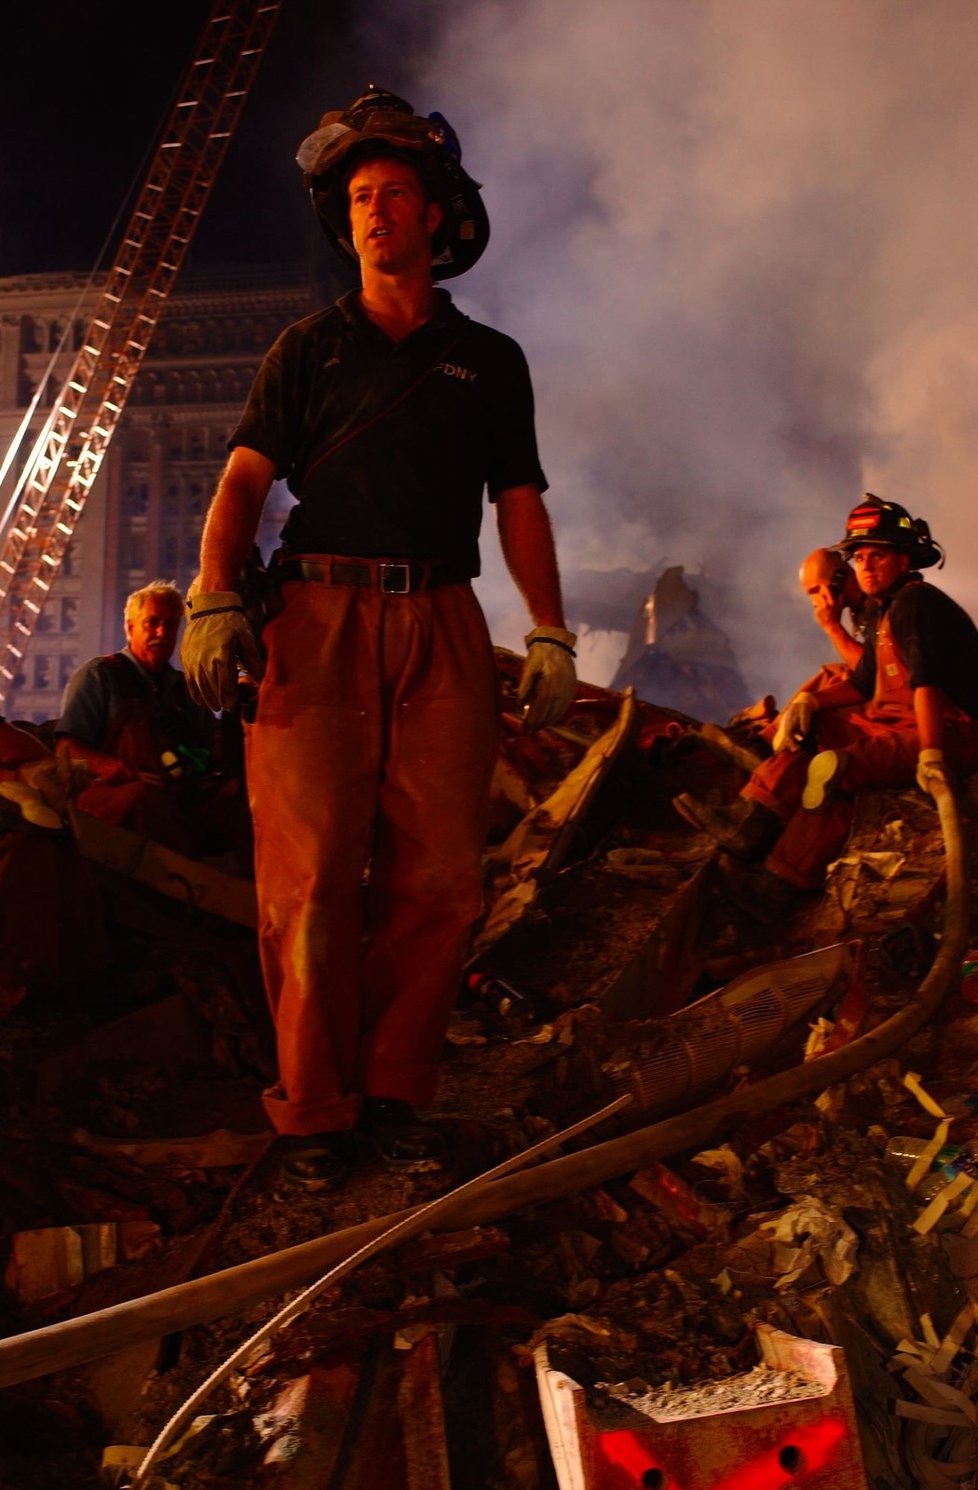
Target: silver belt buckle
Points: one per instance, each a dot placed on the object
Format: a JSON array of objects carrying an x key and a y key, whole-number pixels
[{"x": 395, "y": 579}]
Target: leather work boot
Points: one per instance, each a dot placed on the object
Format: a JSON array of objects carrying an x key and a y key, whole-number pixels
[
  {"x": 400, "y": 1137},
  {"x": 824, "y": 773},
  {"x": 761, "y": 895},
  {"x": 318, "y": 1161},
  {"x": 745, "y": 828}
]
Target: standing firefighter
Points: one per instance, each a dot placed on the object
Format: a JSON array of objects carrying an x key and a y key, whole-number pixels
[{"x": 376, "y": 725}]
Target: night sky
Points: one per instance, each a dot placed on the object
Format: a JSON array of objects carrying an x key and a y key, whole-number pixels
[{"x": 87, "y": 87}]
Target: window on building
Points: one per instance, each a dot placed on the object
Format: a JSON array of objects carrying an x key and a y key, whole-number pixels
[
  {"x": 69, "y": 614},
  {"x": 67, "y": 663},
  {"x": 43, "y": 672},
  {"x": 135, "y": 500}
]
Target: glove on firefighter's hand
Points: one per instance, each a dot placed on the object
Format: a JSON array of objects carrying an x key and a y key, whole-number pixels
[
  {"x": 796, "y": 721},
  {"x": 216, "y": 639},
  {"x": 931, "y": 768},
  {"x": 548, "y": 682}
]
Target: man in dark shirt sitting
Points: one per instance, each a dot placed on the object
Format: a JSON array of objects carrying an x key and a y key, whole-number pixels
[
  {"x": 909, "y": 710},
  {"x": 129, "y": 718}
]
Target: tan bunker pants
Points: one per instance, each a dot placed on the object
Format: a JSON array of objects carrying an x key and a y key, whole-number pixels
[{"x": 372, "y": 751}]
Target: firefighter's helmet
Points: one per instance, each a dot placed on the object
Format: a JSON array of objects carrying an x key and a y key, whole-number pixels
[
  {"x": 891, "y": 526},
  {"x": 380, "y": 122}
]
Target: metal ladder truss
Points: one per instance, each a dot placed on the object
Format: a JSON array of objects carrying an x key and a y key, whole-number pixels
[{"x": 178, "y": 183}]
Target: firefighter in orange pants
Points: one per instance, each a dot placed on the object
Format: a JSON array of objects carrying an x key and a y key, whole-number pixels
[
  {"x": 909, "y": 711},
  {"x": 395, "y": 721},
  {"x": 371, "y": 751}
]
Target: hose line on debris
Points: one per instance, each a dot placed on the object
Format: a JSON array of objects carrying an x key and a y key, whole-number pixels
[{"x": 410, "y": 1225}]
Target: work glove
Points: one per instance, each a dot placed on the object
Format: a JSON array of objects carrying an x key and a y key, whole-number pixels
[
  {"x": 931, "y": 768},
  {"x": 217, "y": 640},
  {"x": 548, "y": 682},
  {"x": 796, "y": 721}
]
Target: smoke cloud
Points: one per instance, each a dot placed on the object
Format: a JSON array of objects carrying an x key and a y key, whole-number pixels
[{"x": 737, "y": 239}]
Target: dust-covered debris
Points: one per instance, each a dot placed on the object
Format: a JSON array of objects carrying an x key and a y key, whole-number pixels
[
  {"x": 654, "y": 1282},
  {"x": 760, "y": 1387}
]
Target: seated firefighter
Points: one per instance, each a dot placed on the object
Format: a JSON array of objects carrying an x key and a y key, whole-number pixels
[
  {"x": 833, "y": 589},
  {"x": 908, "y": 709},
  {"x": 831, "y": 586},
  {"x": 151, "y": 752}
]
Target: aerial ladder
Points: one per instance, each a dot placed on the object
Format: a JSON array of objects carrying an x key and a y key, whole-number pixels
[{"x": 66, "y": 457}]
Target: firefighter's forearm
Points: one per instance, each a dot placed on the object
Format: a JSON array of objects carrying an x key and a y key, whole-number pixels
[
  {"x": 109, "y": 769},
  {"x": 232, "y": 521},
  {"x": 526, "y": 539},
  {"x": 928, "y": 706},
  {"x": 844, "y": 643}
]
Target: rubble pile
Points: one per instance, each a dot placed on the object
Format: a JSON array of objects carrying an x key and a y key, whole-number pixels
[{"x": 663, "y": 1290}]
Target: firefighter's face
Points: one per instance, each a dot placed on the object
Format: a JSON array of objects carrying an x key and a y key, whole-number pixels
[
  {"x": 152, "y": 632},
  {"x": 878, "y": 568},
  {"x": 391, "y": 221}
]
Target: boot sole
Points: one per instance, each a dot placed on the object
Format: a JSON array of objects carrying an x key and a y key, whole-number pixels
[{"x": 824, "y": 769}]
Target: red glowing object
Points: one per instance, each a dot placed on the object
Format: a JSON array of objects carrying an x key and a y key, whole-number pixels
[{"x": 807, "y": 1450}]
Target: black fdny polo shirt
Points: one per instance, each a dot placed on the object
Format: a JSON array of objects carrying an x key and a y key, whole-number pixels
[{"x": 389, "y": 445}]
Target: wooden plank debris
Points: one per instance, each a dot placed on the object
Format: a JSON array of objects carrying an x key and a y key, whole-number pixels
[{"x": 197, "y": 885}]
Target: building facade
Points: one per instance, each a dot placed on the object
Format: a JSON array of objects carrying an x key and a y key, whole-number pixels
[{"x": 143, "y": 518}]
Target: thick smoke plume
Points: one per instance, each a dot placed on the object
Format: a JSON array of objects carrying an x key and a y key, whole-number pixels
[{"x": 738, "y": 240}]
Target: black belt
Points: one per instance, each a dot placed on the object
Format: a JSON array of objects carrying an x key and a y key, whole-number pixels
[{"x": 386, "y": 576}]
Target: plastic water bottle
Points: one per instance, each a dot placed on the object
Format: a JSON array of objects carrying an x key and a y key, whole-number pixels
[
  {"x": 951, "y": 1160},
  {"x": 906, "y": 1151}
]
